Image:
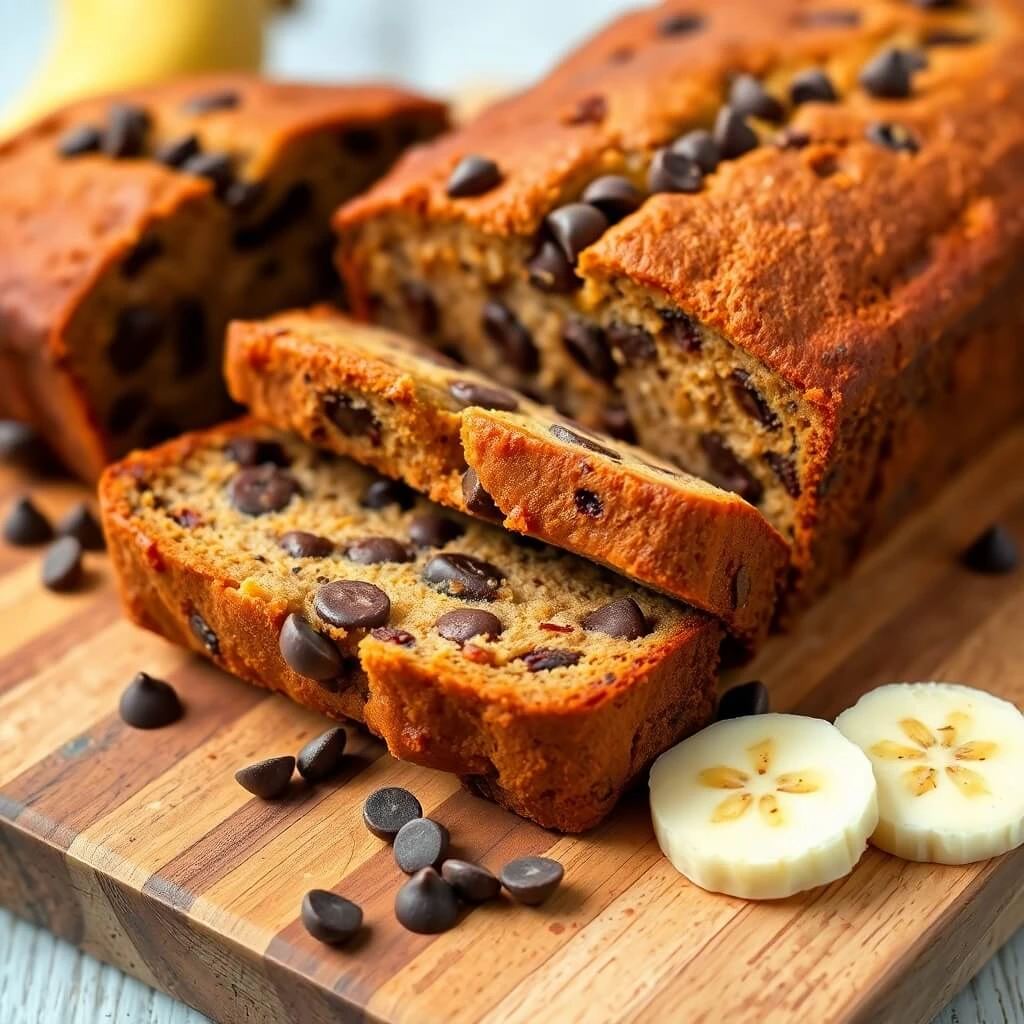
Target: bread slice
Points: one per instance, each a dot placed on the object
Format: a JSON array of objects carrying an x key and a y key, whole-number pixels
[
  {"x": 393, "y": 404},
  {"x": 546, "y": 682}
]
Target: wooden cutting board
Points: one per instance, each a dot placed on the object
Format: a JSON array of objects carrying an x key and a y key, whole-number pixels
[{"x": 141, "y": 848}]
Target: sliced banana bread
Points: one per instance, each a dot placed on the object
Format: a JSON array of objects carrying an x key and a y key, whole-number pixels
[
  {"x": 393, "y": 404},
  {"x": 545, "y": 681}
]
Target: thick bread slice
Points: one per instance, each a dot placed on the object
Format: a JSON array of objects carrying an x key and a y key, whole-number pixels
[
  {"x": 549, "y": 718},
  {"x": 387, "y": 402}
]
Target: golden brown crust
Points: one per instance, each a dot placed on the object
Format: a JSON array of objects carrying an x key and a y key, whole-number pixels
[
  {"x": 561, "y": 757},
  {"x": 654, "y": 524}
]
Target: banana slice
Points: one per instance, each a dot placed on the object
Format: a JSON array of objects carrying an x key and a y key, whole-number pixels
[
  {"x": 949, "y": 761},
  {"x": 764, "y": 807}
]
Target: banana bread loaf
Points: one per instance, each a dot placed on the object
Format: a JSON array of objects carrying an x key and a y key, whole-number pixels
[
  {"x": 790, "y": 233},
  {"x": 133, "y": 227},
  {"x": 545, "y": 681},
  {"x": 446, "y": 431}
]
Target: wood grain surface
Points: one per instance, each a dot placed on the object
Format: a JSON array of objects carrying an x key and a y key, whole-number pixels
[{"x": 141, "y": 849}]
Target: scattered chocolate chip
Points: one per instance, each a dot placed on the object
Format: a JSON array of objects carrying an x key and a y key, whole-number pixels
[
  {"x": 190, "y": 348},
  {"x": 352, "y": 604},
  {"x": 300, "y": 544},
  {"x": 544, "y": 659},
  {"x": 126, "y": 411},
  {"x": 741, "y": 587},
  {"x": 387, "y": 810},
  {"x": 751, "y": 401},
  {"x": 812, "y": 86},
  {"x": 749, "y": 98},
  {"x": 471, "y": 882},
  {"x": 257, "y": 490},
  {"x": 267, "y": 779},
  {"x": 477, "y": 501},
  {"x": 700, "y": 147},
  {"x": 621, "y": 619},
  {"x": 149, "y": 703},
  {"x": 252, "y": 451},
  {"x": 85, "y": 138},
  {"x": 330, "y": 918},
  {"x": 430, "y": 530},
  {"x": 420, "y": 843},
  {"x": 308, "y": 652},
  {"x": 570, "y": 436},
  {"x": 680, "y": 24},
  {"x": 792, "y": 138},
  {"x": 141, "y": 255},
  {"x": 473, "y": 176},
  {"x": 532, "y": 880},
  {"x": 682, "y": 331},
  {"x": 892, "y": 136},
  {"x": 576, "y": 226},
  {"x": 615, "y": 196},
  {"x": 469, "y": 392},
  {"x": 290, "y": 208},
  {"x": 426, "y": 904},
  {"x": 888, "y": 75},
  {"x": 633, "y": 344},
  {"x": 81, "y": 524},
  {"x": 615, "y": 422},
  {"x": 673, "y": 172},
  {"x": 21, "y": 445},
  {"x": 589, "y": 110},
  {"x": 516, "y": 343},
  {"x": 203, "y": 633},
  {"x": 375, "y": 550},
  {"x": 464, "y": 624},
  {"x": 733, "y": 135},
  {"x": 995, "y": 552},
  {"x": 62, "y": 565},
  {"x": 744, "y": 700},
  {"x": 785, "y": 469},
  {"x": 422, "y": 307},
  {"x": 732, "y": 474},
  {"x": 25, "y": 525},
  {"x": 391, "y": 635},
  {"x": 218, "y": 168},
  {"x": 127, "y": 127},
  {"x": 383, "y": 492},
  {"x": 351, "y": 419},
  {"x": 588, "y": 503},
  {"x": 177, "y": 151},
  {"x": 322, "y": 756},
  {"x": 223, "y": 99},
  {"x": 588, "y": 347},
  {"x": 464, "y": 577},
  {"x": 138, "y": 332},
  {"x": 551, "y": 271}
]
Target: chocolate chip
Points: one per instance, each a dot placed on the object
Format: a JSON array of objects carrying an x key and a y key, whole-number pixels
[
  {"x": 125, "y": 411},
  {"x": 532, "y": 880},
  {"x": 680, "y": 24},
  {"x": 257, "y": 490},
  {"x": 741, "y": 587},
  {"x": 749, "y": 98},
  {"x": 290, "y": 208},
  {"x": 25, "y": 525},
  {"x": 223, "y": 99},
  {"x": 420, "y": 843},
  {"x": 464, "y": 577},
  {"x": 892, "y": 136},
  {"x": 673, "y": 172},
  {"x": 471, "y": 882},
  {"x": 267, "y": 779},
  {"x": 936, "y": 5},
  {"x": 175, "y": 152},
  {"x": 888, "y": 75},
  {"x": 588, "y": 503},
  {"x": 466, "y": 623},
  {"x": 473, "y": 176},
  {"x": 733, "y": 135},
  {"x": 576, "y": 226},
  {"x": 477, "y": 501},
  {"x": 81, "y": 524},
  {"x": 127, "y": 127},
  {"x": 375, "y": 550},
  {"x": 426, "y": 904},
  {"x": 203, "y": 633},
  {"x": 391, "y": 635},
  {"x": 252, "y": 451},
  {"x": 387, "y": 810},
  {"x": 218, "y": 168},
  {"x": 744, "y": 700},
  {"x": 615, "y": 422},
  {"x": 621, "y": 619},
  {"x": 140, "y": 255},
  {"x": 308, "y": 652},
  {"x": 792, "y": 138},
  {"x": 190, "y": 348},
  {"x": 330, "y": 918},
  {"x": 430, "y": 530},
  {"x": 700, "y": 147},
  {"x": 351, "y": 419},
  {"x": 993, "y": 553},
  {"x": 149, "y": 703},
  {"x": 634, "y": 345},
  {"x": 352, "y": 604},
  {"x": 544, "y": 659},
  {"x": 138, "y": 332},
  {"x": 732, "y": 474},
  {"x": 62, "y": 565},
  {"x": 468, "y": 392},
  {"x": 322, "y": 756},
  {"x": 502, "y": 326},
  {"x": 570, "y": 436},
  {"x": 85, "y": 138},
  {"x": 550, "y": 269},
  {"x": 588, "y": 347},
  {"x": 422, "y": 307},
  {"x": 383, "y": 492},
  {"x": 751, "y": 401},
  {"x": 361, "y": 141},
  {"x": 682, "y": 331},
  {"x": 22, "y": 446},
  {"x": 812, "y": 86},
  {"x": 243, "y": 196},
  {"x": 589, "y": 110},
  {"x": 615, "y": 196},
  {"x": 300, "y": 544},
  {"x": 785, "y": 469}
]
